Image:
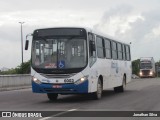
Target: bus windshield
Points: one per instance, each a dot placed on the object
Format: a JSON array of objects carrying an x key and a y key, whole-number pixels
[
  {"x": 59, "y": 52},
  {"x": 145, "y": 66}
]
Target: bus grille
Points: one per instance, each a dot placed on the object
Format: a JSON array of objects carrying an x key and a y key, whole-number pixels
[
  {"x": 57, "y": 75},
  {"x": 145, "y": 72}
]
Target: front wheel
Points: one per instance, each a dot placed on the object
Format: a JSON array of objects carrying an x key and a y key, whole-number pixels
[
  {"x": 98, "y": 94},
  {"x": 52, "y": 96}
]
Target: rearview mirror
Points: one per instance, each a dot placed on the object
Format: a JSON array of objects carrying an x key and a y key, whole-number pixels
[
  {"x": 27, "y": 41},
  {"x": 26, "y": 45}
]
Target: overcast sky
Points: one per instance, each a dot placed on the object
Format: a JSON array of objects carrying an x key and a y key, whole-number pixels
[{"x": 136, "y": 21}]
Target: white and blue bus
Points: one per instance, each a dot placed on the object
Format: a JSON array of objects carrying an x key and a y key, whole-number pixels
[{"x": 73, "y": 60}]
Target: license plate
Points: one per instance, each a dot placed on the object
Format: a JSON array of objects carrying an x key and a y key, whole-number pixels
[{"x": 57, "y": 86}]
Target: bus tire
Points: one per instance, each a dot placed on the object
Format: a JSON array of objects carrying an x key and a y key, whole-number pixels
[
  {"x": 52, "y": 96},
  {"x": 122, "y": 87},
  {"x": 98, "y": 94}
]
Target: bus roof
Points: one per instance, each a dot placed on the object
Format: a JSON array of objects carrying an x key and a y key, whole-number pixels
[
  {"x": 96, "y": 32},
  {"x": 105, "y": 35},
  {"x": 146, "y": 58}
]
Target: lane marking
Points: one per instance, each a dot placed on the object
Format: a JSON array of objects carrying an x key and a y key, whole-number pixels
[
  {"x": 45, "y": 118},
  {"x": 72, "y": 110},
  {"x": 58, "y": 114}
]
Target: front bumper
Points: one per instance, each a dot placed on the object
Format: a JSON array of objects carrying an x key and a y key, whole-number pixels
[
  {"x": 143, "y": 76},
  {"x": 63, "y": 89}
]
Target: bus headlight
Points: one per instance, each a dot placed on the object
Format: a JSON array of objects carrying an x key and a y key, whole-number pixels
[
  {"x": 151, "y": 73},
  {"x": 36, "y": 80},
  {"x": 81, "y": 80}
]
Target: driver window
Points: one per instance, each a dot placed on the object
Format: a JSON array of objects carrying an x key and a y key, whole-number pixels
[{"x": 92, "y": 53}]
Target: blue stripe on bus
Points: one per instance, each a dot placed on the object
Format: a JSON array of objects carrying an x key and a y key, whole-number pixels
[{"x": 65, "y": 88}]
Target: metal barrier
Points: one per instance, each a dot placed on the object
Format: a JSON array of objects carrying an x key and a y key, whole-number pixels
[{"x": 9, "y": 82}]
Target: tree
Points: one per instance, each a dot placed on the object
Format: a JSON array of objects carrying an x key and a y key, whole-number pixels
[
  {"x": 25, "y": 67},
  {"x": 18, "y": 69},
  {"x": 158, "y": 63},
  {"x": 135, "y": 66}
]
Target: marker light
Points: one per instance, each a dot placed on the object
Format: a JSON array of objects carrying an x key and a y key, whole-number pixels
[{"x": 36, "y": 80}]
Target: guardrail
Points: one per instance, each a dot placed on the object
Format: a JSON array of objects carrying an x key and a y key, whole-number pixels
[{"x": 9, "y": 82}]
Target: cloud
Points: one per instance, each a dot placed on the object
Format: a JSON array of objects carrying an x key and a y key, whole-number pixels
[
  {"x": 10, "y": 45},
  {"x": 147, "y": 35},
  {"x": 118, "y": 22},
  {"x": 142, "y": 29},
  {"x": 144, "y": 34},
  {"x": 115, "y": 20}
]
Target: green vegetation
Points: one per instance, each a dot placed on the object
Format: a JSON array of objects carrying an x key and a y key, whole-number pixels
[
  {"x": 135, "y": 67},
  {"x": 18, "y": 69},
  {"x": 158, "y": 63}
]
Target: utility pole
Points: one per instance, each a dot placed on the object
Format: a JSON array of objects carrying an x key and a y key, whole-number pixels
[{"x": 22, "y": 43}]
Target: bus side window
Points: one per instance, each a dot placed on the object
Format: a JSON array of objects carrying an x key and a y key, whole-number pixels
[
  {"x": 100, "y": 47},
  {"x": 114, "y": 51},
  {"x": 120, "y": 52},
  {"x": 108, "y": 48},
  {"x": 124, "y": 52},
  {"x": 127, "y": 53},
  {"x": 92, "y": 49}
]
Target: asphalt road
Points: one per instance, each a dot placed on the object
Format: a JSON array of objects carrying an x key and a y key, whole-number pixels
[{"x": 140, "y": 95}]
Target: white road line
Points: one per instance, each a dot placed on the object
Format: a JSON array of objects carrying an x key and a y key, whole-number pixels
[
  {"x": 58, "y": 114},
  {"x": 45, "y": 118},
  {"x": 72, "y": 110}
]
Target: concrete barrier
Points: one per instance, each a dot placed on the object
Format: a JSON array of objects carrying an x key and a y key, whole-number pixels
[{"x": 10, "y": 82}]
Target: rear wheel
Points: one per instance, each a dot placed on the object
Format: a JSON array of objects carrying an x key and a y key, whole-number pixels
[
  {"x": 98, "y": 94},
  {"x": 122, "y": 87},
  {"x": 52, "y": 96}
]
